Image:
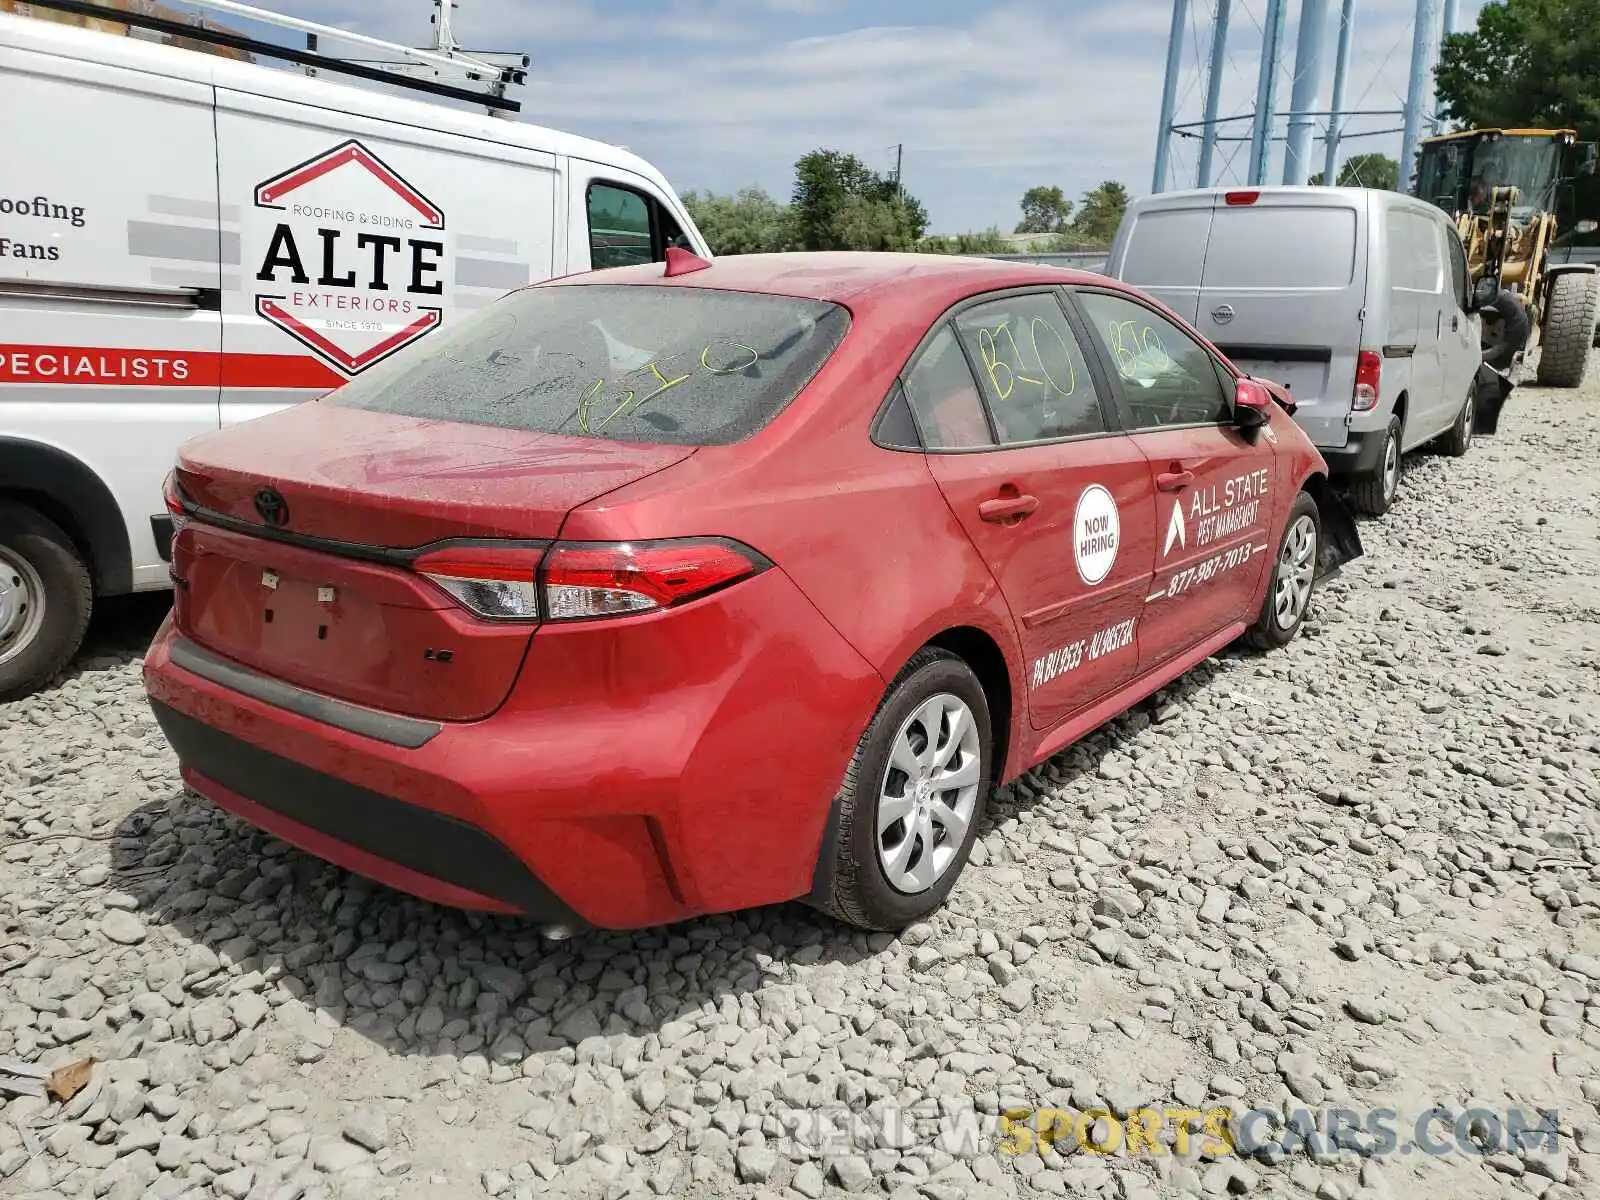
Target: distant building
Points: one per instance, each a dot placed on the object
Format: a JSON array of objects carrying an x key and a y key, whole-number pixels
[{"x": 146, "y": 7}]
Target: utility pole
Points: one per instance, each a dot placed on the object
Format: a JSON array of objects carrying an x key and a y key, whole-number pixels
[{"x": 899, "y": 151}]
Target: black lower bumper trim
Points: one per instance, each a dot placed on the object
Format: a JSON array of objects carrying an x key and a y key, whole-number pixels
[
  {"x": 1361, "y": 455},
  {"x": 407, "y": 835}
]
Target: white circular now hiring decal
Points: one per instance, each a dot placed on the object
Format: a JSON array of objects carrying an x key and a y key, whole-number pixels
[{"x": 1096, "y": 533}]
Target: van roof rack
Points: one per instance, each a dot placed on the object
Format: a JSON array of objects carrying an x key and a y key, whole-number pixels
[{"x": 420, "y": 71}]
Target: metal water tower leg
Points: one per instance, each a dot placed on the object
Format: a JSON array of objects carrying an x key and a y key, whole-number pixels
[
  {"x": 1451, "y": 15},
  {"x": 1266, "y": 93},
  {"x": 1417, "y": 92},
  {"x": 1219, "y": 50},
  {"x": 1303, "y": 96},
  {"x": 1341, "y": 84},
  {"x": 1169, "y": 91}
]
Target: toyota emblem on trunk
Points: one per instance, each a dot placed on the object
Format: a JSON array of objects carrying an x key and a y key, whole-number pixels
[{"x": 274, "y": 509}]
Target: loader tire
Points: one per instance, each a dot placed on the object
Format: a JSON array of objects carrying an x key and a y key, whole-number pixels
[{"x": 1568, "y": 330}]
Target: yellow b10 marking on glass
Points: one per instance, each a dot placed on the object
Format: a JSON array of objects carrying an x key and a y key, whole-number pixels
[
  {"x": 628, "y": 399},
  {"x": 990, "y": 348}
]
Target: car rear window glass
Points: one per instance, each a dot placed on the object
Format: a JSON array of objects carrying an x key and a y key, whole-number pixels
[
  {"x": 654, "y": 364},
  {"x": 1166, "y": 248},
  {"x": 1282, "y": 247}
]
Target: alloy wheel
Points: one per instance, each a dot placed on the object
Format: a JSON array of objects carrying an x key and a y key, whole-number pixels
[{"x": 928, "y": 794}]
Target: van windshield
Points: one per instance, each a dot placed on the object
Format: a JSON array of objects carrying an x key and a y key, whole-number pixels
[
  {"x": 661, "y": 365},
  {"x": 1301, "y": 247}
]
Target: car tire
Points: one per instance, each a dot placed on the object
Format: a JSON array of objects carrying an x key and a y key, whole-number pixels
[
  {"x": 1293, "y": 578},
  {"x": 1374, "y": 495},
  {"x": 856, "y": 879},
  {"x": 45, "y": 600},
  {"x": 1458, "y": 439}
]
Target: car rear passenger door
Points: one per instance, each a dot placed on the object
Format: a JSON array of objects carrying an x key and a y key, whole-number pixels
[
  {"x": 1211, "y": 481},
  {"x": 1461, "y": 350},
  {"x": 1021, "y": 437}
]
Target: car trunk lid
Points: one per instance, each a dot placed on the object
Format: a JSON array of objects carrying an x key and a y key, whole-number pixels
[{"x": 296, "y": 558}]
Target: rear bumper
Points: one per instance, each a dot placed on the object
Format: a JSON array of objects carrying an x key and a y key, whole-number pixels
[
  {"x": 406, "y": 846},
  {"x": 670, "y": 766},
  {"x": 1362, "y": 454}
]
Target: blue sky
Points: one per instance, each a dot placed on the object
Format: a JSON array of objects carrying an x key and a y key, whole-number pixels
[{"x": 988, "y": 97}]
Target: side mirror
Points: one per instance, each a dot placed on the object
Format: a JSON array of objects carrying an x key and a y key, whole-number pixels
[
  {"x": 1484, "y": 293},
  {"x": 1588, "y": 152},
  {"x": 1252, "y": 404}
]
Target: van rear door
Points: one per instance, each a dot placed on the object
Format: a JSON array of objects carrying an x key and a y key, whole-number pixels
[
  {"x": 1161, "y": 249},
  {"x": 1282, "y": 296}
]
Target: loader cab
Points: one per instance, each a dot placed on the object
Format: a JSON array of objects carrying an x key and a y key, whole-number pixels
[{"x": 1458, "y": 172}]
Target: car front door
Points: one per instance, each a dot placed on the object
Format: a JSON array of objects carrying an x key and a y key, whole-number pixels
[
  {"x": 1020, "y": 435},
  {"x": 1213, "y": 483}
]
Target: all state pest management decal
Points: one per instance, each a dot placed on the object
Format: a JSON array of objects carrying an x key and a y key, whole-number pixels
[{"x": 351, "y": 257}]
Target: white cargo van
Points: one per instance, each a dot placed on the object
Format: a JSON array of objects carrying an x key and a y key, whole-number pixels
[
  {"x": 1357, "y": 300},
  {"x": 187, "y": 240}
]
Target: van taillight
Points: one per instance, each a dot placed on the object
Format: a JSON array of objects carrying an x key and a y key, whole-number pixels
[
  {"x": 1238, "y": 198},
  {"x": 1369, "y": 372},
  {"x": 575, "y": 581}
]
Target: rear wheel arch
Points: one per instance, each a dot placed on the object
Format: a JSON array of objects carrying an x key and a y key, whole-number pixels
[
  {"x": 988, "y": 662},
  {"x": 69, "y": 493},
  {"x": 1400, "y": 404}
]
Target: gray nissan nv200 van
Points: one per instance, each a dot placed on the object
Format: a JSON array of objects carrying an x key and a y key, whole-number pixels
[{"x": 1358, "y": 301}]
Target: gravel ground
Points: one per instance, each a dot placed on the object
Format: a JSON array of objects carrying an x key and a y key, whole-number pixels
[{"x": 1360, "y": 873}]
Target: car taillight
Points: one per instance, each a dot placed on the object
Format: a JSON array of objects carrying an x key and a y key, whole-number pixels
[
  {"x": 575, "y": 581},
  {"x": 1369, "y": 372},
  {"x": 496, "y": 582},
  {"x": 584, "y": 579},
  {"x": 173, "y": 499}
]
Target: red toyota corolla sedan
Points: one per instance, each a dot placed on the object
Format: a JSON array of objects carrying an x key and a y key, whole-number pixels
[{"x": 671, "y": 590}]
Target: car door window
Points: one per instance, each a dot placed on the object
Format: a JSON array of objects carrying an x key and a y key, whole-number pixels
[
  {"x": 1030, "y": 369},
  {"x": 1167, "y": 378},
  {"x": 619, "y": 227},
  {"x": 944, "y": 397}
]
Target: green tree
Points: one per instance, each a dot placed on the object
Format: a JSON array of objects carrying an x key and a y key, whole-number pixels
[
  {"x": 1044, "y": 210},
  {"x": 1366, "y": 170},
  {"x": 1529, "y": 63},
  {"x": 989, "y": 241},
  {"x": 842, "y": 204},
  {"x": 1100, "y": 214},
  {"x": 750, "y": 222}
]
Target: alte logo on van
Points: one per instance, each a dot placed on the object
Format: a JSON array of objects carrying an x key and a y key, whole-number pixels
[{"x": 346, "y": 254}]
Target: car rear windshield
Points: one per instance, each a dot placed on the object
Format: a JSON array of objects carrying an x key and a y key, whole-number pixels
[{"x": 663, "y": 365}]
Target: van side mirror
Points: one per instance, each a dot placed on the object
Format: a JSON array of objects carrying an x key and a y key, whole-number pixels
[
  {"x": 1484, "y": 293},
  {"x": 1588, "y": 152},
  {"x": 1252, "y": 404}
]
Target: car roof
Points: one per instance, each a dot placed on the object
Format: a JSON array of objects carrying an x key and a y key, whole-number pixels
[{"x": 850, "y": 278}]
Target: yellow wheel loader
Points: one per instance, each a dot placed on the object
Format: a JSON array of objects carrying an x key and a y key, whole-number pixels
[{"x": 1512, "y": 195}]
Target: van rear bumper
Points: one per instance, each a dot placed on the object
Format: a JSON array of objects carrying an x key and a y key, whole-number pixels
[{"x": 1362, "y": 454}]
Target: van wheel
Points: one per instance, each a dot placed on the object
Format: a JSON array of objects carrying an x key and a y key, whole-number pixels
[
  {"x": 1458, "y": 440},
  {"x": 913, "y": 796},
  {"x": 45, "y": 598},
  {"x": 1294, "y": 578},
  {"x": 1375, "y": 494}
]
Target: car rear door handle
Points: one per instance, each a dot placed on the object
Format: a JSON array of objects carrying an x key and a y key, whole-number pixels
[
  {"x": 1174, "y": 481},
  {"x": 1007, "y": 508}
]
